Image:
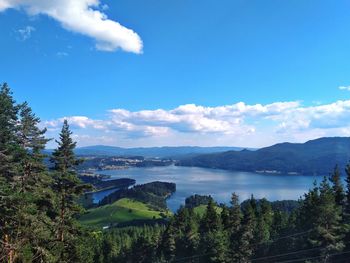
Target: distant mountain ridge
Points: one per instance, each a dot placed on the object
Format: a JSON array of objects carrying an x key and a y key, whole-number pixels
[
  {"x": 315, "y": 157},
  {"x": 152, "y": 152}
]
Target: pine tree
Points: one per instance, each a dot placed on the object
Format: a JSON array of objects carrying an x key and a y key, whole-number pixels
[
  {"x": 24, "y": 188},
  {"x": 225, "y": 217},
  {"x": 168, "y": 245},
  {"x": 191, "y": 235},
  {"x": 264, "y": 222},
  {"x": 246, "y": 236},
  {"x": 9, "y": 166},
  {"x": 327, "y": 230},
  {"x": 214, "y": 247},
  {"x": 214, "y": 241},
  {"x": 235, "y": 220},
  {"x": 187, "y": 238},
  {"x": 68, "y": 187},
  {"x": 211, "y": 219},
  {"x": 235, "y": 216},
  {"x": 8, "y": 133},
  {"x": 308, "y": 210},
  {"x": 337, "y": 186},
  {"x": 33, "y": 186},
  {"x": 347, "y": 194}
]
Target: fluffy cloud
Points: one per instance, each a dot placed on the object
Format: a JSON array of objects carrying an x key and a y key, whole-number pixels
[
  {"x": 239, "y": 124},
  {"x": 328, "y": 116},
  {"x": 85, "y": 17},
  {"x": 344, "y": 88}
]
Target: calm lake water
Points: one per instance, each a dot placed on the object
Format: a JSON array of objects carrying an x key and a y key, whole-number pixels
[{"x": 218, "y": 183}]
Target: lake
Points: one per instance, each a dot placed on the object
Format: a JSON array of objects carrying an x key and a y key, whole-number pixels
[{"x": 218, "y": 183}]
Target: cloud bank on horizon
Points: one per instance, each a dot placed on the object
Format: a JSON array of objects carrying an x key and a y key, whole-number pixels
[
  {"x": 85, "y": 17},
  {"x": 231, "y": 125}
]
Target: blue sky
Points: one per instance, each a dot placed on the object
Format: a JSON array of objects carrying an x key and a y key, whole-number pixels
[{"x": 209, "y": 53}]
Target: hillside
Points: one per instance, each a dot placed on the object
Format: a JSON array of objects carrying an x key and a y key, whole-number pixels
[
  {"x": 154, "y": 194},
  {"x": 313, "y": 157},
  {"x": 123, "y": 210}
]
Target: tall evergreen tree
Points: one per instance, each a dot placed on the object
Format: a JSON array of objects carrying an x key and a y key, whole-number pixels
[
  {"x": 211, "y": 219},
  {"x": 236, "y": 215},
  {"x": 225, "y": 217},
  {"x": 24, "y": 189},
  {"x": 308, "y": 211},
  {"x": 68, "y": 187},
  {"x": 235, "y": 220},
  {"x": 246, "y": 236},
  {"x": 32, "y": 141},
  {"x": 337, "y": 186},
  {"x": 347, "y": 194},
  {"x": 191, "y": 235},
  {"x": 8, "y": 169},
  {"x": 8, "y": 133},
  {"x": 168, "y": 246},
  {"x": 327, "y": 230},
  {"x": 33, "y": 186}
]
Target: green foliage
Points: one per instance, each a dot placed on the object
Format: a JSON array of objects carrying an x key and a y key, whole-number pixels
[{"x": 338, "y": 188}]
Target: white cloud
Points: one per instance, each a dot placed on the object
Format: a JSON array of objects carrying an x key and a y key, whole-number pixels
[
  {"x": 238, "y": 124},
  {"x": 344, "y": 88},
  {"x": 85, "y": 17},
  {"x": 26, "y": 32},
  {"x": 61, "y": 54}
]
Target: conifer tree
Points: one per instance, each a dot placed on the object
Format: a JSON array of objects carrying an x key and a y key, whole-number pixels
[
  {"x": 327, "y": 231},
  {"x": 337, "y": 186},
  {"x": 235, "y": 220},
  {"x": 168, "y": 246},
  {"x": 187, "y": 238},
  {"x": 68, "y": 187},
  {"x": 214, "y": 247},
  {"x": 246, "y": 236},
  {"x": 9, "y": 166},
  {"x": 32, "y": 141},
  {"x": 24, "y": 188},
  {"x": 191, "y": 235},
  {"x": 235, "y": 216},
  {"x": 346, "y": 209},
  {"x": 347, "y": 194},
  {"x": 211, "y": 220},
  {"x": 214, "y": 242},
  {"x": 225, "y": 217},
  {"x": 264, "y": 222},
  {"x": 33, "y": 186},
  {"x": 308, "y": 211},
  {"x": 8, "y": 134}
]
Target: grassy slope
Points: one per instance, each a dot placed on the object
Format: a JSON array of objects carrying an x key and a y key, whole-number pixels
[
  {"x": 119, "y": 212},
  {"x": 200, "y": 210}
]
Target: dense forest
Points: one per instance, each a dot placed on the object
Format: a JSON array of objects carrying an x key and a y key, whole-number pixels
[{"x": 39, "y": 213}]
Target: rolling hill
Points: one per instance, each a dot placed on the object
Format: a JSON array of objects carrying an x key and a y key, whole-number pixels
[
  {"x": 315, "y": 157},
  {"x": 123, "y": 210}
]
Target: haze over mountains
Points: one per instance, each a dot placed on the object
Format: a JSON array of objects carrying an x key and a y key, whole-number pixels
[
  {"x": 152, "y": 152},
  {"x": 315, "y": 157}
]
